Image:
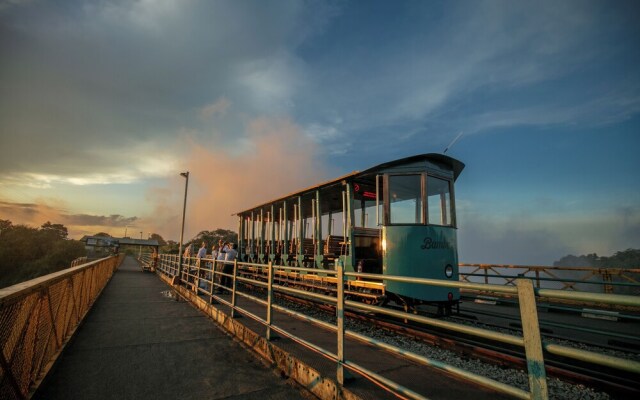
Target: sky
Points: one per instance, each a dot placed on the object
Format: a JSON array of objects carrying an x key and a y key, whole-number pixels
[{"x": 104, "y": 103}]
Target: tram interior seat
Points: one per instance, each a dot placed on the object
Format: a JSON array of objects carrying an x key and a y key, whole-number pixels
[
  {"x": 307, "y": 249},
  {"x": 334, "y": 246}
]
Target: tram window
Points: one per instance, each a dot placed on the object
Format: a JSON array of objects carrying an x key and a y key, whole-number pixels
[
  {"x": 365, "y": 214},
  {"x": 405, "y": 197},
  {"x": 438, "y": 201}
]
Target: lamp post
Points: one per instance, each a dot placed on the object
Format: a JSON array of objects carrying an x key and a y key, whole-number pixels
[
  {"x": 184, "y": 210},
  {"x": 125, "y": 230},
  {"x": 140, "y": 250}
]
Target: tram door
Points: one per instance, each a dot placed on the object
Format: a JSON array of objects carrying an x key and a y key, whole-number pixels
[{"x": 366, "y": 232}]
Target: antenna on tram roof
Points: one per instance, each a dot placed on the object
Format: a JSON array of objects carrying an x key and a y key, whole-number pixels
[{"x": 453, "y": 142}]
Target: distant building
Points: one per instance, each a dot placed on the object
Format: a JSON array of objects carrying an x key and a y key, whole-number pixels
[{"x": 98, "y": 246}]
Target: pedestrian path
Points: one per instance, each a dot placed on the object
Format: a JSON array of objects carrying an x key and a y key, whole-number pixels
[{"x": 138, "y": 343}]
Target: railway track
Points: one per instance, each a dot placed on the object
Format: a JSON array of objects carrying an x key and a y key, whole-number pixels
[
  {"x": 616, "y": 383},
  {"x": 613, "y": 381}
]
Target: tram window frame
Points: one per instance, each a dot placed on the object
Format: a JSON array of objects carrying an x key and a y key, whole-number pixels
[
  {"x": 364, "y": 214},
  {"x": 449, "y": 204},
  {"x": 388, "y": 204}
]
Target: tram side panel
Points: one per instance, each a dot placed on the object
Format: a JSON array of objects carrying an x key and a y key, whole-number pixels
[{"x": 421, "y": 252}]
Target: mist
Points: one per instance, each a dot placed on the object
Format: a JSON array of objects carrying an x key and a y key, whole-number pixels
[{"x": 275, "y": 158}]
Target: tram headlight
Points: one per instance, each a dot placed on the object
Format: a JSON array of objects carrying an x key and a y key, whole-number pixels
[{"x": 448, "y": 271}]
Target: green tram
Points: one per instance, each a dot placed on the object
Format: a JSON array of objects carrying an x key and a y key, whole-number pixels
[{"x": 397, "y": 218}]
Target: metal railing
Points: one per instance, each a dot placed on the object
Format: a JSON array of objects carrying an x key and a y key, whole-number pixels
[
  {"x": 78, "y": 261},
  {"x": 194, "y": 273},
  {"x": 588, "y": 279},
  {"x": 600, "y": 280},
  {"x": 38, "y": 317}
]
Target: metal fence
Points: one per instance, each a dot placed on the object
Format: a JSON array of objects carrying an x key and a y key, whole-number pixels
[
  {"x": 579, "y": 279},
  {"x": 78, "y": 261},
  {"x": 38, "y": 317},
  {"x": 204, "y": 277}
]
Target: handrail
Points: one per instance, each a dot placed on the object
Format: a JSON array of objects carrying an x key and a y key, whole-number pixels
[
  {"x": 609, "y": 279},
  {"x": 38, "y": 317},
  {"x": 523, "y": 290}
]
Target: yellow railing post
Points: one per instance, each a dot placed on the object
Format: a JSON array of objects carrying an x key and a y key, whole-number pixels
[
  {"x": 270, "y": 334},
  {"x": 233, "y": 289},
  {"x": 532, "y": 339}
]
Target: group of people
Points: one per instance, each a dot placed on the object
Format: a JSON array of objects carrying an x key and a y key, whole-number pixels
[{"x": 223, "y": 251}]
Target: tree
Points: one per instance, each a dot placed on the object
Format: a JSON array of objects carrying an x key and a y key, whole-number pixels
[
  {"x": 160, "y": 239},
  {"x": 4, "y": 224},
  {"x": 213, "y": 237},
  {"x": 58, "y": 229},
  {"x": 171, "y": 247},
  {"x": 629, "y": 258},
  {"x": 590, "y": 260},
  {"x": 103, "y": 234},
  {"x": 626, "y": 259},
  {"x": 26, "y": 253}
]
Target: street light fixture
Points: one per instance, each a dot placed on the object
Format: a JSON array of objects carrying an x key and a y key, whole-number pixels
[{"x": 184, "y": 210}]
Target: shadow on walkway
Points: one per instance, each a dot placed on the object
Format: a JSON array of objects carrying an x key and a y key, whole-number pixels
[{"x": 138, "y": 343}]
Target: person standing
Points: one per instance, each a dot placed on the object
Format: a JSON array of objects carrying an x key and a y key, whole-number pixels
[
  {"x": 202, "y": 253},
  {"x": 214, "y": 252},
  {"x": 220, "y": 265},
  {"x": 229, "y": 259},
  {"x": 187, "y": 251}
]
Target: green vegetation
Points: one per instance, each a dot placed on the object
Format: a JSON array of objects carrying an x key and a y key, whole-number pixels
[
  {"x": 209, "y": 237},
  {"x": 629, "y": 258},
  {"x": 27, "y": 253}
]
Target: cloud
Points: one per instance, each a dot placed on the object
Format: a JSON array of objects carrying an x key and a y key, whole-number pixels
[
  {"x": 475, "y": 67},
  {"x": 86, "y": 85},
  {"x": 540, "y": 237},
  {"x": 219, "y": 107},
  {"x": 270, "y": 83},
  {"x": 117, "y": 92},
  {"x": 36, "y": 214},
  {"x": 277, "y": 159},
  {"x": 114, "y": 220},
  {"x": 6, "y": 4},
  {"x": 83, "y": 83}
]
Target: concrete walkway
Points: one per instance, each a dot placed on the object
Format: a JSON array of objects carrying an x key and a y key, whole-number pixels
[{"x": 136, "y": 343}]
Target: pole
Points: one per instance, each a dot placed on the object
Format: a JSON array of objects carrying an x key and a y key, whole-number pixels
[
  {"x": 184, "y": 210},
  {"x": 140, "y": 248}
]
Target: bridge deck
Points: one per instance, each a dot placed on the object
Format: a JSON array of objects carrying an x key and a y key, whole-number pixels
[{"x": 137, "y": 343}]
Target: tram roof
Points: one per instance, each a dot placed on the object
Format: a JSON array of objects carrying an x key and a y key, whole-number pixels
[{"x": 455, "y": 165}]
